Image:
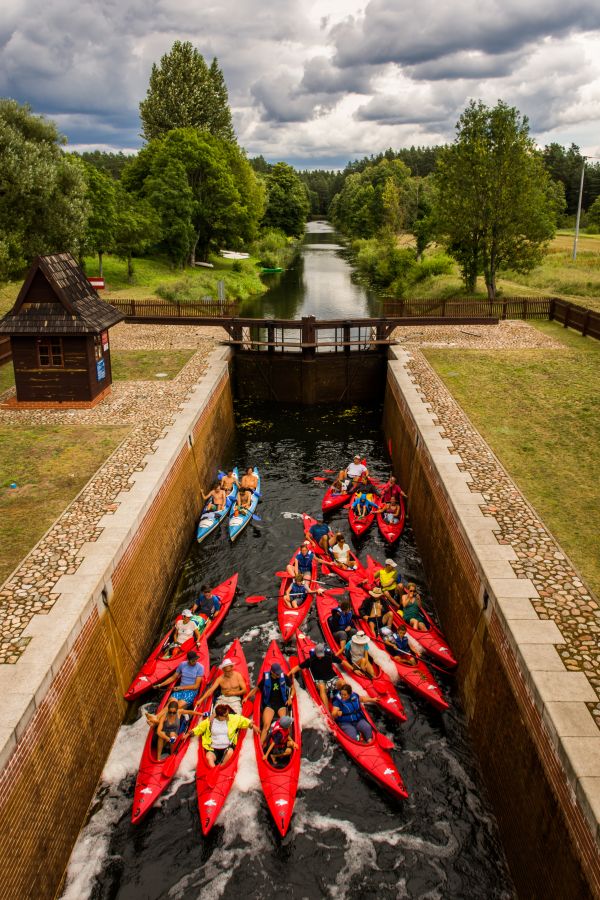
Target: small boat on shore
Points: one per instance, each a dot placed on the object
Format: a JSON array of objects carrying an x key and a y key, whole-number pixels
[{"x": 279, "y": 782}]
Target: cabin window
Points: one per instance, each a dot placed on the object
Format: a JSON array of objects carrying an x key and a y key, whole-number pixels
[{"x": 50, "y": 353}]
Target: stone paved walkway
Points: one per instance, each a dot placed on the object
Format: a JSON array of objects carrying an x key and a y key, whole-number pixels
[
  {"x": 564, "y": 598},
  {"x": 149, "y": 407},
  {"x": 509, "y": 335}
]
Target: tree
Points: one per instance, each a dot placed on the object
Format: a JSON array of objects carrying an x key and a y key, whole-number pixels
[
  {"x": 287, "y": 201},
  {"x": 225, "y": 197},
  {"x": 593, "y": 217},
  {"x": 42, "y": 190},
  {"x": 101, "y": 223},
  {"x": 185, "y": 93},
  {"x": 496, "y": 207},
  {"x": 373, "y": 200},
  {"x": 137, "y": 228},
  {"x": 110, "y": 163}
]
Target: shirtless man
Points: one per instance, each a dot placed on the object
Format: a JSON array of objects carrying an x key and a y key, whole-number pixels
[
  {"x": 249, "y": 480},
  {"x": 216, "y": 499},
  {"x": 232, "y": 685},
  {"x": 228, "y": 481},
  {"x": 244, "y": 500}
]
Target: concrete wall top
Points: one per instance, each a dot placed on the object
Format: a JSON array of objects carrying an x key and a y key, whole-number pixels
[
  {"x": 561, "y": 696},
  {"x": 24, "y": 684}
]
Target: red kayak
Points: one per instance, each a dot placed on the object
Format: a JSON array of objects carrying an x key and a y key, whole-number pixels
[
  {"x": 158, "y": 667},
  {"x": 379, "y": 688},
  {"x": 346, "y": 574},
  {"x": 333, "y": 500},
  {"x": 432, "y": 640},
  {"x": 213, "y": 785},
  {"x": 391, "y": 531},
  {"x": 291, "y": 619},
  {"x": 361, "y": 524},
  {"x": 156, "y": 774},
  {"x": 417, "y": 677},
  {"x": 279, "y": 782},
  {"x": 373, "y": 757}
]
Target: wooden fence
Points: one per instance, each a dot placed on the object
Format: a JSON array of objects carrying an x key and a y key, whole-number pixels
[
  {"x": 166, "y": 309},
  {"x": 586, "y": 321},
  {"x": 459, "y": 307}
]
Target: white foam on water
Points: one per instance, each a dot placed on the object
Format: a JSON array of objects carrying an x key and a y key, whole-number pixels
[
  {"x": 291, "y": 515},
  {"x": 310, "y": 714},
  {"x": 267, "y": 632},
  {"x": 247, "y": 778},
  {"x": 384, "y": 661}
]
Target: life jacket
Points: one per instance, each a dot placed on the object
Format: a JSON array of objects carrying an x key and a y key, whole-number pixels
[
  {"x": 340, "y": 619},
  {"x": 401, "y": 643},
  {"x": 351, "y": 709},
  {"x": 267, "y": 688},
  {"x": 279, "y": 735}
]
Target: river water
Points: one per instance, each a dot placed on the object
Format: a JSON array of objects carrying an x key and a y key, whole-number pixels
[{"x": 347, "y": 838}]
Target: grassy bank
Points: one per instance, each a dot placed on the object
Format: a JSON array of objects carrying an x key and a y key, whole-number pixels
[
  {"x": 50, "y": 465},
  {"x": 540, "y": 412}
]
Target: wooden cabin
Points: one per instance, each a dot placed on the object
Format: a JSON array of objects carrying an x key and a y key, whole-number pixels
[{"x": 58, "y": 331}]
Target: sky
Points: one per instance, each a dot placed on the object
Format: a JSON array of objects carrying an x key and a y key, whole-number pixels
[{"x": 313, "y": 83}]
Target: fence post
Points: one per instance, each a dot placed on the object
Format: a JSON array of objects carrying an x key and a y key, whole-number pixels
[
  {"x": 525, "y": 306},
  {"x": 308, "y": 336},
  {"x": 586, "y": 322},
  {"x": 567, "y": 312},
  {"x": 504, "y": 308},
  {"x": 347, "y": 338},
  {"x": 133, "y": 307},
  {"x": 402, "y": 307},
  {"x": 271, "y": 338},
  {"x": 444, "y": 308},
  {"x": 551, "y": 309}
]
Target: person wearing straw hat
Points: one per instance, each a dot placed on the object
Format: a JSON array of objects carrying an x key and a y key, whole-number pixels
[
  {"x": 231, "y": 685},
  {"x": 375, "y": 612},
  {"x": 359, "y": 653}
]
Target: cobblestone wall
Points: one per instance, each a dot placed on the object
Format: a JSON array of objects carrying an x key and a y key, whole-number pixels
[
  {"x": 482, "y": 599},
  {"x": 50, "y": 776}
]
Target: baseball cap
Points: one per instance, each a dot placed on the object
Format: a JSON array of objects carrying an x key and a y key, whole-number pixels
[
  {"x": 285, "y": 722},
  {"x": 390, "y": 562},
  {"x": 187, "y": 612},
  {"x": 276, "y": 669}
]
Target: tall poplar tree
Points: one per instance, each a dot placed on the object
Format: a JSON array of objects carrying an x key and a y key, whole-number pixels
[
  {"x": 186, "y": 93},
  {"x": 496, "y": 204}
]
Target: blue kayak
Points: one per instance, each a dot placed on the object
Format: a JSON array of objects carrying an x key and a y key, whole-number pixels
[
  {"x": 238, "y": 523},
  {"x": 209, "y": 520}
]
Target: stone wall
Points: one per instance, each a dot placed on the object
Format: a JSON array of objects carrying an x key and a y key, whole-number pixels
[
  {"x": 526, "y": 717},
  {"x": 65, "y": 705}
]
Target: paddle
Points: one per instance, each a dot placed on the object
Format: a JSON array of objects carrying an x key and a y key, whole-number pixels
[
  {"x": 287, "y": 575},
  {"x": 322, "y": 478},
  {"x": 258, "y": 598}
]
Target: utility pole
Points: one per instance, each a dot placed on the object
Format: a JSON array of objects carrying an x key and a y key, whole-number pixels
[{"x": 579, "y": 208}]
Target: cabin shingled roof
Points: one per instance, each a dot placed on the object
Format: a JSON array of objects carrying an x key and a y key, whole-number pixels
[{"x": 79, "y": 309}]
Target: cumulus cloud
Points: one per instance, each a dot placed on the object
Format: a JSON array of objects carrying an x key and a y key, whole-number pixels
[{"x": 307, "y": 81}]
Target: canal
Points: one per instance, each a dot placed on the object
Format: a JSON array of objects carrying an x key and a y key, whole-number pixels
[{"x": 347, "y": 838}]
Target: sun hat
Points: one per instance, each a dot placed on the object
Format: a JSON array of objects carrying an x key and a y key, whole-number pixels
[
  {"x": 187, "y": 612},
  {"x": 360, "y": 638},
  {"x": 276, "y": 668},
  {"x": 386, "y": 631},
  {"x": 226, "y": 662},
  {"x": 390, "y": 562},
  {"x": 356, "y": 456},
  {"x": 286, "y": 722},
  {"x": 319, "y": 649},
  {"x": 376, "y": 592}
]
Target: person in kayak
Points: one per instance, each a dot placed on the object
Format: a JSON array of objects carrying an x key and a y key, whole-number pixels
[
  {"x": 207, "y": 604},
  {"x": 391, "y": 512},
  {"x": 219, "y": 733},
  {"x": 184, "y": 629},
  {"x": 412, "y": 610},
  {"x": 340, "y": 484},
  {"x": 277, "y": 691},
  {"x": 349, "y": 714},
  {"x": 319, "y": 663},
  {"x": 249, "y": 480},
  {"x": 298, "y": 592},
  {"x": 389, "y": 582},
  {"x": 357, "y": 652},
  {"x": 243, "y": 503},
  {"x": 188, "y": 675},
  {"x": 391, "y": 490},
  {"x": 303, "y": 563},
  {"x": 168, "y": 723},
  {"x": 357, "y": 471},
  {"x": 228, "y": 481},
  {"x": 362, "y": 505},
  {"x": 373, "y": 610},
  {"x": 397, "y": 643},
  {"x": 341, "y": 553},
  {"x": 341, "y": 623},
  {"x": 281, "y": 743},
  {"x": 215, "y": 499},
  {"x": 231, "y": 686},
  {"x": 322, "y": 535}
]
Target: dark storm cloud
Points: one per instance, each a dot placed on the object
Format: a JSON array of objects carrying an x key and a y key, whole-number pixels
[
  {"x": 395, "y": 31},
  {"x": 320, "y": 76},
  {"x": 466, "y": 64}
]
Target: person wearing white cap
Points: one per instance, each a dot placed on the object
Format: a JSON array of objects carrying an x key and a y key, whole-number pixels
[
  {"x": 357, "y": 470},
  {"x": 389, "y": 582},
  {"x": 231, "y": 684},
  {"x": 184, "y": 629}
]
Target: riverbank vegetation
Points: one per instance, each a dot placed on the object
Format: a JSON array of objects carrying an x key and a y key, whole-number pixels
[{"x": 557, "y": 395}]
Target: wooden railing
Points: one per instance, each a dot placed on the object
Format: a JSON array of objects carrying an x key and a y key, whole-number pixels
[
  {"x": 208, "y": 308},
  {"x": 309, "y": 336},
  {"x": 462, "y": 307},
  {"x": 571, "y": 315}
]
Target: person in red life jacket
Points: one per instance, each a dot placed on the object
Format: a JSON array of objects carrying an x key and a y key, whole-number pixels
[
  {"x": 341, "y": 623},
  {"x": 349, "y": 714},
  {"x": 277, "y": 691},
  {"x": 281, "y": 743},
  {"x": 303, "y": 563}
]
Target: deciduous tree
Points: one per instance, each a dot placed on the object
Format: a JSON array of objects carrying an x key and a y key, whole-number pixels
[
  {"x": 287, "y": 201},
  {"x": 101, "y": 197},
  {"x": 137, "y": 228}
]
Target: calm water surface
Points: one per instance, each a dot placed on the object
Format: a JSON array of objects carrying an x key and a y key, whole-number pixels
[{"x": 347, "y": 838}]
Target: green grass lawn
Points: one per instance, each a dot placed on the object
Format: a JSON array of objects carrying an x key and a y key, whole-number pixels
[
  {"x": 50, "y": 464},
  {"x": 540, "y": 413},
  {"x": 146, "y": 365}
]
